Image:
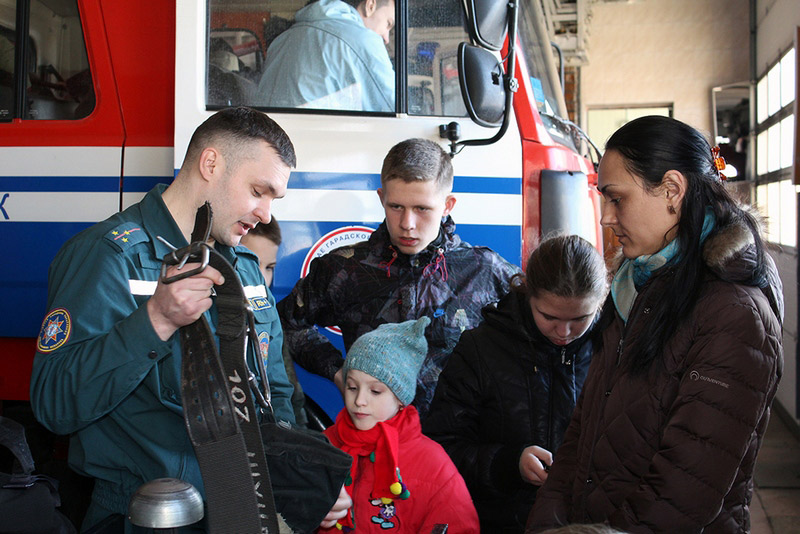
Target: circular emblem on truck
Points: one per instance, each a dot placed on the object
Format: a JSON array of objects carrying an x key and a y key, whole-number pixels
[{"x": 346, "y": 235}]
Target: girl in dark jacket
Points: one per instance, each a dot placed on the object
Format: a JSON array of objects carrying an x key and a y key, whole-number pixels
[
  {"x": 665, "y": 435},
  {"x": 506, "y": 395}
]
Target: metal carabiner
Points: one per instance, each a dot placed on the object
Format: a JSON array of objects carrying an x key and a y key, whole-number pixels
[
  {"x": 264, "y": 397},
  {"x": 197, "y": 251}
]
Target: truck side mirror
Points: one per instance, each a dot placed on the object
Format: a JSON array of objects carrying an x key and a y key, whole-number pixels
[
  {"x": 488, "y": 22},
  {"x": 482, "y": 85},
  {"x": 488, "y": 88}
]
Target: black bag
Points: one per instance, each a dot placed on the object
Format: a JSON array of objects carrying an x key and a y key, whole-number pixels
[
  {"x": 28, "y": 502},
  {"x": 306, "y": 472}
]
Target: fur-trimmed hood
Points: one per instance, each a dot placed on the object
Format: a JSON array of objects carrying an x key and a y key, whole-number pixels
[
  {"x": 731, "y": 254},
  {"x": 729, "y": 242}
]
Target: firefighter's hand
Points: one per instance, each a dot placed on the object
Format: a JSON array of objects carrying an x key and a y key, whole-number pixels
[
  {"x": 534, "y": 464},
  {"x": 183, "y": 302},
  {"x": 339, "y": 510}
]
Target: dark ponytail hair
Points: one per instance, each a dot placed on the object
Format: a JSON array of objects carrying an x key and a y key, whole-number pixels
[
  {"x": 651, "y": 146},
  {"x": 566, "y": 266}
]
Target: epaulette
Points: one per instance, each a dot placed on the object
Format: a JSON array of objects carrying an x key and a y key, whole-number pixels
[
  {"x": 126, "y": 235},
  {"x": 243, "y": 250}
]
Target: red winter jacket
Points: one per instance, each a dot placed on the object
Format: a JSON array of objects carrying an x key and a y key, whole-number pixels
[{"x": 438, "y": 493}]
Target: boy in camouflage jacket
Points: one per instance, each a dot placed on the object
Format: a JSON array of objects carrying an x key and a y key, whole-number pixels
[{"x": 413, "y": 265}]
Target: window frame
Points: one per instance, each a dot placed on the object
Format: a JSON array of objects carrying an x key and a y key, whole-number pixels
[
  {"x": 400, "y": 36},
  {"x": 765, "y": 178},
  {"x": 25, "y": 51}
]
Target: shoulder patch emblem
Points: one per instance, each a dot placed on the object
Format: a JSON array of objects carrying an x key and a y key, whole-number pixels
[
  {"x": 56, "y": 329},
  {"x": 126, "y": 235},
  {"x": 263, "y": 346}
]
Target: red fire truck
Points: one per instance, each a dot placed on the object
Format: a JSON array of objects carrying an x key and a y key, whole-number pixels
[{"x": 98, "y": 99}]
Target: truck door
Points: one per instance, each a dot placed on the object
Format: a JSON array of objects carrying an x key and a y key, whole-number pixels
[
  {"x": 339, "y": 137},
  {"x": 61, "y": 139}
]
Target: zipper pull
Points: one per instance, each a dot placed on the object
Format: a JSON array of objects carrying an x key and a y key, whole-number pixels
[
  {"x": 563, "y": 352},
  {"x": 619, "y": 349}
]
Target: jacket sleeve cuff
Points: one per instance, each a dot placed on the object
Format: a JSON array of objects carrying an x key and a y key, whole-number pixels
[
  {"x": 505, "y": 467},
  {"x": 313, "y": 352},
  {"x": 147, "y": 342}
]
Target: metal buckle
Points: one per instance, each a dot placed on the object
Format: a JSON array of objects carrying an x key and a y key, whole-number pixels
[{"x": 197, "y": 251}]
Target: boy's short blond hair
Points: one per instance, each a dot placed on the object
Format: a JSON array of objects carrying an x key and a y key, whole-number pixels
[{"x": 420, "y": 160}]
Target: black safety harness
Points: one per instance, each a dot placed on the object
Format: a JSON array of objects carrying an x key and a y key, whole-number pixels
[{"x": 219, "y": 395}]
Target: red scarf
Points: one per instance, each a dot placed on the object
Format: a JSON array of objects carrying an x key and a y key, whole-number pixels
[{"x": 383, "y": 439}]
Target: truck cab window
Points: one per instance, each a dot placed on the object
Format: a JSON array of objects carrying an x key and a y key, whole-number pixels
[
  {"x": 7, "y": 52},
  {"x": 326, "y": 55},
  {"x": 57, "y": 80},
  {"x": 547, "y": 91},
  {"x": 434, "y": 33},
  {"x": 545, "y": 86},
  {"x": 336, "y": 55}
]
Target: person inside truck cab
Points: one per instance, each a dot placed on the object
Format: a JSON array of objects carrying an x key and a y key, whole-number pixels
[
  {"x": 108, "y": 363},
  {"x": 334, "y": 56},
  {"x": 413, "y": 265}
]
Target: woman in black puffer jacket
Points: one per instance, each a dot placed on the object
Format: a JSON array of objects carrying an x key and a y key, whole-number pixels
[{"x": 505, "y": 398}]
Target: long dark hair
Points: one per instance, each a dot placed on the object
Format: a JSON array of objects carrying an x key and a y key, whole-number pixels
[{"x": 651, "y": 146}]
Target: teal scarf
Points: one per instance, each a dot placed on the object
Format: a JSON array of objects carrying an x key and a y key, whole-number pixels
[{"x": 634, "y": 273}]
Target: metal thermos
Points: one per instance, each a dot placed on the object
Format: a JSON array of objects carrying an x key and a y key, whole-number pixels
[{"x": 165, "y": 504}]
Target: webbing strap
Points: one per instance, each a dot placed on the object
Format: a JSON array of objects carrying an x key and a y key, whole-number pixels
[
  {"x": 219, "y": 409},
  {"x": 229, "y": 489},
  {"x": 12, "y": 436}
]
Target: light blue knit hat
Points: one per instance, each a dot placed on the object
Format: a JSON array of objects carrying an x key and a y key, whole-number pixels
[{"x": 393, "y": 353}]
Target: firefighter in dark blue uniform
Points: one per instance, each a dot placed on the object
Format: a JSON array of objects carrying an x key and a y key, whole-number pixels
[{"x": 108, "y": 366}]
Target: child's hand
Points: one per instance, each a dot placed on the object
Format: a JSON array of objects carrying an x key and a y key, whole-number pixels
[
  {"x": 534, "y": 464},
  {"x": 339, "y": 510}
]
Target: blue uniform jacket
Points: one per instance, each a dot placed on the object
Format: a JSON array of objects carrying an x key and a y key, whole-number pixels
[
  {"x": 328, "y": 59},
  {"x": 103, "y": 375}
]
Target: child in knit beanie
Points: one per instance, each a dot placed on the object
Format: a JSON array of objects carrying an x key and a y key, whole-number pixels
[{"x": 400, "y": 479}]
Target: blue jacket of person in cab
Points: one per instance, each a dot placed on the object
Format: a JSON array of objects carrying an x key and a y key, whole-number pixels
[{"x": 332, "y": 57}]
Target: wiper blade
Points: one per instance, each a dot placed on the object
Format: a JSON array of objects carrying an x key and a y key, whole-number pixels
[{"x": 571, "y": 126}]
